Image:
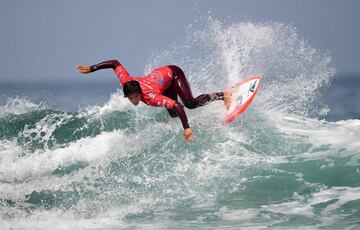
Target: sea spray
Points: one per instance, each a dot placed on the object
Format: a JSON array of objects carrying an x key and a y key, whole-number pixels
[{"x": 218, "y": 56}]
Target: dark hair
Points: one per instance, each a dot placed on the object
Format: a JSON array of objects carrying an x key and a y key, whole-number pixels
[{"x": 131, "y": 87}]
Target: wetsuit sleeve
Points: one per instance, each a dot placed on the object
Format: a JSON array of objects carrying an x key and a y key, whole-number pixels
[
  {"x": 179, "y": 109},
  {"x": 120, "y": 71},
  {"x": 105, "y": 65},
  {"x": 161, "y": 100}
]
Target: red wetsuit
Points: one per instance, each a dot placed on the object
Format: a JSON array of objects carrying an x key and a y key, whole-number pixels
[
  {"x": 152, "y": 85},
  {"x": 161, "y": 88}
]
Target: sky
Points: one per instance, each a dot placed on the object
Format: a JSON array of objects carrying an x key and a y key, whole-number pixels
[{"x": 45, "y": 39}]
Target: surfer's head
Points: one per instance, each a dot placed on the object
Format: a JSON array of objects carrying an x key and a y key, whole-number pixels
[{"x": 132, "y": 91}]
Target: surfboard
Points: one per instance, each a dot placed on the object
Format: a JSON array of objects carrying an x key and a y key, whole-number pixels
[{"x": 243, "y": 93}]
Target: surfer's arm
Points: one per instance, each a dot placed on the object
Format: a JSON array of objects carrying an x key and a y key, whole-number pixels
[
  {"x": 110, "y": 64},
  {"x": 102, "y": 65},
  {"x": 172, "y": 105},
  {"x": 120, "y": 71},
  {"x": 179, "y": 109},
  {"x": 159, "y": 100}
]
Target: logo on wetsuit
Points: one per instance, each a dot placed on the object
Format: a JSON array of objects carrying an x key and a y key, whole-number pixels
[
  {"x": 160, "y": 82},
  {"x": 158, "y": 78}
]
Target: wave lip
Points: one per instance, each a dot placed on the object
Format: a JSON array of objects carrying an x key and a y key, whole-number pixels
[
  {"x": 19, "y": 105},
  {"x": 15, "y": 167}
]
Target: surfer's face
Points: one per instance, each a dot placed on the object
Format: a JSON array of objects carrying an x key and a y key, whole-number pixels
[{"x": 135, "y": 98}]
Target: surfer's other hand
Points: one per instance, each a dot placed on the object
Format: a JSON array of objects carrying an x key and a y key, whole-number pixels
[
  {"x": 83, "y": 69},
  {"x": 188, "y": 135}
]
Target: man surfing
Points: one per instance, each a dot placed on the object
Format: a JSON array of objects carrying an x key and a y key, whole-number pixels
[{"x": 161, "y": 88}]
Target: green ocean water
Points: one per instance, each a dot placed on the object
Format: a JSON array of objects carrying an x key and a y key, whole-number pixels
[{"x": 282, "y": 165}]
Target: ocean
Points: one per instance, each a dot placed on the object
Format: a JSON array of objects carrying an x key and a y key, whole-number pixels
[{"x": 78, "y": 155}]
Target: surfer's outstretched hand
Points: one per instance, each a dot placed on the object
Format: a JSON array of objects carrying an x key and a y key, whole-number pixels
[
  {"x": 83, "y": 69},
  {"x": 188, "y": 135}
]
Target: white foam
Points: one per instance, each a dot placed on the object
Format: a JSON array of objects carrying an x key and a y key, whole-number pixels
[
  {"x": 339, "y": 136},
  {"x": 238, "y": 215},
  {"x": 336, "y": 196},
  {"x": 60, "y": 220},
  {"x": 28, "y": 172},
  {"x": 117, "y": 102},
  {"x": 90, "y": 149},
  {"x": 20, "y": 189},
  {"x": 19, "y": 105},
  {"x": 43, "y": 130}
]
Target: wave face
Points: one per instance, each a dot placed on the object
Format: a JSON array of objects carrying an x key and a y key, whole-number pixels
[{"x": 118, "y": 166}]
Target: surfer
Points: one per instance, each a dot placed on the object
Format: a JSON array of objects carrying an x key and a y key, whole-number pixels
[{"x": 160, "y": 88}]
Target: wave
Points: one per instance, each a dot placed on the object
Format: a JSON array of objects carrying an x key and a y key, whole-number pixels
[
  {"x": 118, "y": 166},
  {"x": 19, "y": 105}
]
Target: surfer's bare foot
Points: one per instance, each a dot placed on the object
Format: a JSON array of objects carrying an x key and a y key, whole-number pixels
[{"x": 227, "y": 99}]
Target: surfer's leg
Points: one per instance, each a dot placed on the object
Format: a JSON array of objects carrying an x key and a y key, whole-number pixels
[{"x": 183, "y": 89}]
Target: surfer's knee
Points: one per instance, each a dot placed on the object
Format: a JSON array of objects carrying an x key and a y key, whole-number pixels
[
  {"x": 176, "y": 71},
  {"x": 191, "y": 104},
  {"x": 175, "y": 68}
]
